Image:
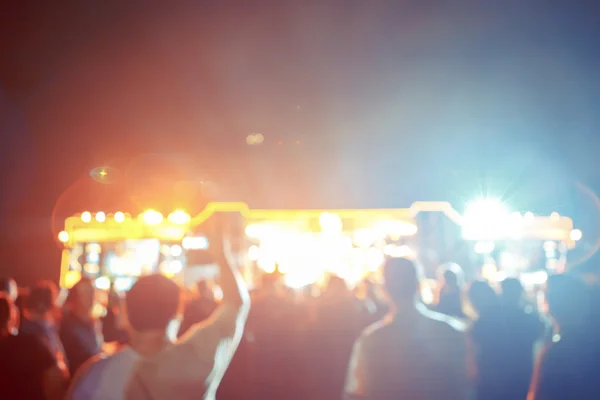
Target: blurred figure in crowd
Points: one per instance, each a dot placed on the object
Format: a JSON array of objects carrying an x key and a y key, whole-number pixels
[
  {"x": 340, "y": 317},
  {"x": 414, "y": 353},
  {"x": 105, "y": 376},
  {"x": 80, "y": 331},
  {"x": 112, "y": 322},
  {"x": 483, "y": 298},
  {"x": 193, "y": 367},
  {"x": 199, "y": 308},
  {"x": 450, "y": 295},
  {"x": 28, "y": 370},
  {"x": 10, "y": 288},
  {"x": 41, "y": 319},
  {"x": 272, "y": 339},
  {"x": 568, "y": 367},
  {"x": 485, "y": 303},
  {"x": 504, "y": 336}
]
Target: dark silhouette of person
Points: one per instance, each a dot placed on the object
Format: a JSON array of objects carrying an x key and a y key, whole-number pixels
[
  {"x": 198, "y": 308},
  {"x": 80, "y": 332},
  {"x": 112, "y": 322},
  {"x": 568, "y": 367},
  {"x": 414, "y": 353},
  {"x": 485, "y": 333},
  {"x": 28, "y": 370},
  {"x": 450, "y": 297},
  {"x": 41, "y": 318},
  {"x": 339, "y": 321},
  {"x": 272, "y": 335},
  {"x": 522, "y": 328}
]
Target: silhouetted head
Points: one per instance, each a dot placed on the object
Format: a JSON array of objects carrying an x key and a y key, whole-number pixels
[
  {"x": 568, "y": 300},
  {"x": 152, "y": 303},
  {"x": 336, "y": 286},
  {"x": 482, "y": 296},
  {"x": 512, "y": 291},
  {"x": 452, "y": 275},
  {"x": 269, "y": 282},
  {"x": 82, "y": 296},
  {"x": 401, "y": 280},
  {"x": 9, "y": 286},
  {"x": 42, "y": 297}
]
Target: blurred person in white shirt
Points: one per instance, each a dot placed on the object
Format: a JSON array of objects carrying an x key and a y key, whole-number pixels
[
  {"x": 413, "y": 353},
  {"x": 193, "y": 367},
  {"x": 154, "y": 367}
]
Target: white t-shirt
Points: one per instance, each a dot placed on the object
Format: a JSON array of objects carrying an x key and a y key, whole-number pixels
[
  {"x": 193, "y": 367},
  {"x": 417, "y": 354},
  {"x": 104, "y": 377}
]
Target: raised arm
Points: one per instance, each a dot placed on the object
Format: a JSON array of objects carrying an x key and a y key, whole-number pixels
[
  {"x": 204, "y": 352},
  {"x": 232, "y": 313}
]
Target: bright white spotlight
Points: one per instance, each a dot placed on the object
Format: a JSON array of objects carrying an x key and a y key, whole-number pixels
[
  {"x": 195, "y": 243},
  {"x": 576, "y": 235},
  {"x": 484, "y": 247},
  {"x": 257, "y": 231},
  {"x": 253, "y": 253},
  {"x": 173, "y": 267},
  {"x": 63, "y": 236},
  {"x": 152, "y": 217},
  {"x": 119, "y": 217},
  {"x": 102, "y": 283},
  {"x": 86, "y": 216},
  {"x": 486, "y": 208},
  {"x": 486, "y": 219},
  {"x": 100, "y": 216},
  {"x": 179, "y": 217},
  {"x": 529, "y": 216},
  {"x": 330, "y": 223},
  {"x": 176, "y": 250}
]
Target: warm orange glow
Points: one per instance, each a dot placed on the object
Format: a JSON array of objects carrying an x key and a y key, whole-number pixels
[
  {"x": 489, "y": 272},
  {"x": 254, "y": 139},
  {"x": 71, "y": 278}
]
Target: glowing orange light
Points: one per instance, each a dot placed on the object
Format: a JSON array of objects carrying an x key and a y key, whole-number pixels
[{"x": 71, "y": 278}]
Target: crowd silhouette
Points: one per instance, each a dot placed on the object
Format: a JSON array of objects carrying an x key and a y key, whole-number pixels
[{"x": 478, "y": 340}]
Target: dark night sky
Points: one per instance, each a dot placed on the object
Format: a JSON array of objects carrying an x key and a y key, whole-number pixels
[{"x": 391, "y": 101}]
